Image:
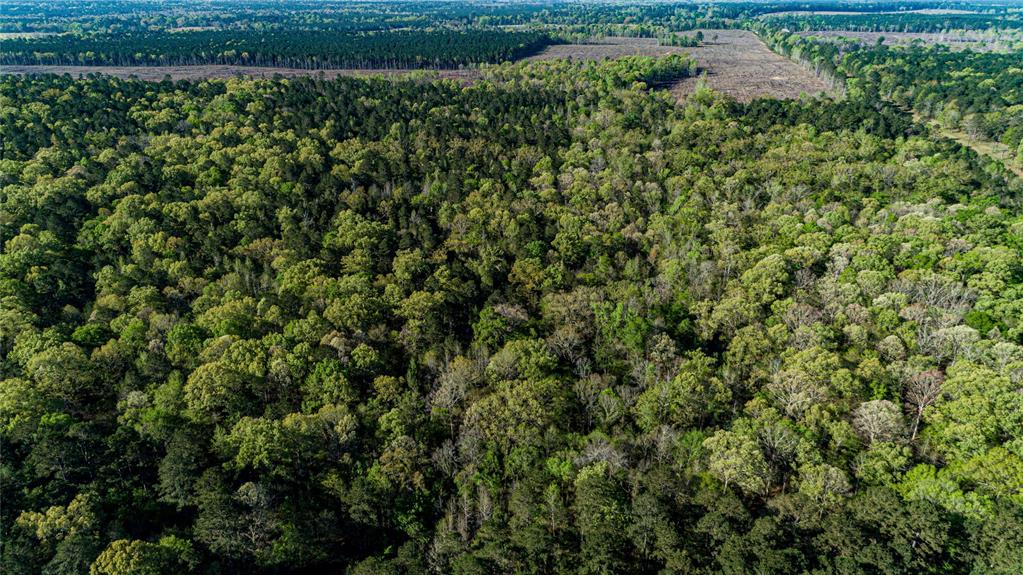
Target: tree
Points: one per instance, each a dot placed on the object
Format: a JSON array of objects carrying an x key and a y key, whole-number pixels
[
  {"x": 68, "y": 533},
  {"x": 922, "y": 390},
  {"x": 736, "y": 459},
  {"x": 878, "y": 420},
  {"x": 979, "y": 408},
  {"x": 692, "y": 396},
  {"x": 124, "y": 557},
  {"x": 602, "y": 515},
  {"x": 824, "y": 486}
]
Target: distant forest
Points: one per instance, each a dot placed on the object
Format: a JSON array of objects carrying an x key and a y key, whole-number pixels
[{"x": 286, "y": 48}]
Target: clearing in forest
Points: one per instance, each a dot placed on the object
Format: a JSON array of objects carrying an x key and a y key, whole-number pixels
[
  {"x": 734, "y": 62},
  {"x": 737, "y": 63},
  {"x": 13, "y": 35},
  {"x": 995, "y": 150},
  {"x": 925, "y": 11}
]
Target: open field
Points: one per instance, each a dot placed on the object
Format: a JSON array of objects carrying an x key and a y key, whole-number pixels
[
  {"x": 735, "y": 62},
  {"x": 955, "y": 39},
  {"x": 156, "y": 73}
]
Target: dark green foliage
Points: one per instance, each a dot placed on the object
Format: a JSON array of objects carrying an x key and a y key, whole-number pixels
[
  {"x": 287, "y": 48},
  {"x": 881, "y": 22}
]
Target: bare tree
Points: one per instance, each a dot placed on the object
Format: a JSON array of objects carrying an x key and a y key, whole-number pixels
[
  {"x": 878, "y": 420},
  {"x": 922, "y": 390}
]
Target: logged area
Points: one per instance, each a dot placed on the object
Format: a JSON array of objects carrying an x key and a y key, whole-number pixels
[
  {"x": 737, "y": 63},
  {"x": 934, "y": 11}
]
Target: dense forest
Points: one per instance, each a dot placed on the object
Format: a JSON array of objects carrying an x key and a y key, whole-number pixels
[
  {"x": 339, "y": 15},
  {"x": 291, "y": 48},
  {"x": 877, "y": 22},
  {"x": 89, "y": 16},
  {"x": 550, "y": 321}
]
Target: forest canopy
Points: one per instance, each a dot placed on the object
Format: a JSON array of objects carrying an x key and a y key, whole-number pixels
[{"x": 554, "y": 320}]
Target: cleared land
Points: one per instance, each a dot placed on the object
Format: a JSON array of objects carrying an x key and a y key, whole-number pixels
[
  {"x": 995, "y": 150},
  {"x": 734, "y": 62},
  {"x": 737, "y": 63},
  {"x": 955, "y": 39},
  {"x": 192, "y": 29}
]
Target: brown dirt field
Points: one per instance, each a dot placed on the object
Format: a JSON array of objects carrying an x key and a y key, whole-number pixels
[
  {"x": 157, "y": 73},
  {"x": 737, "y": 63},
  {"x": 956, "y": 39}
]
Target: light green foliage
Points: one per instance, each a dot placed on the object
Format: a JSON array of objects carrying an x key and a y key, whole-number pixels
[
  {"x": 882, "y": 464},
  {"x": 979, "y": 408},
  {"x": 823, "y": 486},
  {"x": 736, "y": 459},
  {"x": 689, "y": 397},
  {"x": 123, "y": 557}
]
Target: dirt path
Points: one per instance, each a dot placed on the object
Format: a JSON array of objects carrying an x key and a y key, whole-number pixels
[{"x": 995, "y": 150}]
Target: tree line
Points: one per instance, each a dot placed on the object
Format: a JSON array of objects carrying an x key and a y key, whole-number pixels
[{"x": 908, "y": 22}]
